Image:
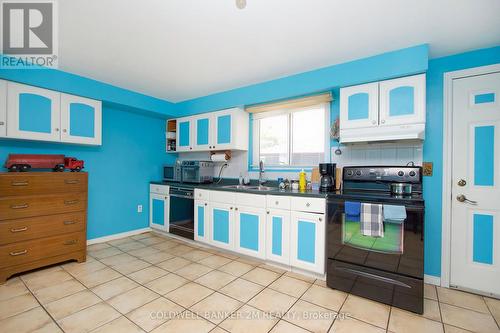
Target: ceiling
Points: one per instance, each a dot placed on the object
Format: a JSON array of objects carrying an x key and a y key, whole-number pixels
[{"x": 181, "y": 49}]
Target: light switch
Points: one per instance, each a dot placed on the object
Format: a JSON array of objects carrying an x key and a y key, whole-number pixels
[{"x": 139, "y": 208}]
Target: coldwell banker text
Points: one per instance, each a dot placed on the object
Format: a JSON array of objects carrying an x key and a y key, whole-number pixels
[{"x": 29, "y": 34}]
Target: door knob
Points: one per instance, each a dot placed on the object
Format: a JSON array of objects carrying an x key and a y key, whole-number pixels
[
  {"x": 463, "y": 198},
  {"x": 462, "y": 182}
]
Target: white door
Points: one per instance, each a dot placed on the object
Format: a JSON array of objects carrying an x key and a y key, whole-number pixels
[
  {"x": 185, "y": 134},
  {"x": 3, "y": 108},
  {"x": 80, "y": 120},
  {"x": 250, "y": 231},
  {"x": 359, "y": 106},
  {"x": 158, "y": 211},
  {"x": 278, "y": 236},
  {"x": 475, "y": 222},
  {"x": 307, "y": 241},
  {"x": 33, "y": 113},
  {"x": 223, "y": 130},
  {"x": 202, "y": 138},
  {"x": 402, "y": 101}
]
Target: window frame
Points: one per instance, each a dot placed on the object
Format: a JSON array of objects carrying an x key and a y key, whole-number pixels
[{"x": 255, "y": 135}]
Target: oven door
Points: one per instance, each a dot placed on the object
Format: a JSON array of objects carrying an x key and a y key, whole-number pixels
[
  {"x": 400, "y": 250},
  {"x": 181, "y": 214}
]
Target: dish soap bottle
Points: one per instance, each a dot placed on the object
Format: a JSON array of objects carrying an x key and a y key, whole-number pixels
[{"x": 302, "y": 180}]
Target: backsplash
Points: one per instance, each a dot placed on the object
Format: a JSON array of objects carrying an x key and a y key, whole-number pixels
[
  {"x": 356, "y": 154},
  {"x": 378, "y": 154}
]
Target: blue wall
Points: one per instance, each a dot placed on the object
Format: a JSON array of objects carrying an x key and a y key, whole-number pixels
[
  {"x": 131, "y": 155},
  {"x": 403, "y": 62},
  {"x": 433, "y": 145}
]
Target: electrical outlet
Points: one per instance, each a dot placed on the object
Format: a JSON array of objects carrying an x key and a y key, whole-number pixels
[
  {"x": 139, "y": 208},
  {"x": 427, "y": 168}
]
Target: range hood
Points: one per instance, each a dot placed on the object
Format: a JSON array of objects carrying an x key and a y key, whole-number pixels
[{"x": 383, "y": 133}]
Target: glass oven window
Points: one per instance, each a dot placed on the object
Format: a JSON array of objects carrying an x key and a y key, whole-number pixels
[{"x": 391, "y": 242}]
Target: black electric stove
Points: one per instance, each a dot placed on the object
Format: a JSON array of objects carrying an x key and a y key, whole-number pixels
[{"x": 388, "y": 269}]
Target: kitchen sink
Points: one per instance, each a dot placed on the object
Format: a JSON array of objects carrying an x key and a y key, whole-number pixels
[{"x": 250, "y": 187}]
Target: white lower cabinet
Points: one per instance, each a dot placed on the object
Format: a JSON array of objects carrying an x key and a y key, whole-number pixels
[
  {"x": 278, "y": 236},
  {"x": 201, "y": 218},
  {"x": 221, "y": 225},
  {"x": 288, "y": 231},
  {"x": 3, "y": 108},
  {"x": 250, "y": 231},
  {"x": 158, "y": 207},
  {"x": 307, "y": 241}
]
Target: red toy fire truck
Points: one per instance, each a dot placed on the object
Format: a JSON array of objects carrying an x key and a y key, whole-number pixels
[{"x": 24, "y": 162}]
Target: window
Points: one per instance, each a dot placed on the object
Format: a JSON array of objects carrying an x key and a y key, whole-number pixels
[{"x": 292, "y": 137}]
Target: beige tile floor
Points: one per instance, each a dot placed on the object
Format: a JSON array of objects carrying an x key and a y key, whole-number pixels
[{"x": 151, "y": 283}]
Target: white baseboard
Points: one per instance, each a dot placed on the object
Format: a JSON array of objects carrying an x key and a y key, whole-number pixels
[
  {"x": 431, "y": 279},
  {"x": 117, "y": 236}
]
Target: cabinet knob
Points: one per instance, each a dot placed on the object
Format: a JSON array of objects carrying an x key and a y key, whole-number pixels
[
  {"x": 57, "y": 129},
  {"x": 190, "y": 148},
  {"x": 231, "y": 208},
  {"x": 205, "y": 204},
  {"x": 383, "y": 121},
  {"x": 374, "y": 122},
  {"x": 320, "y": 219},
  {"x": 2, "y": 123},
  {"x": 236, "y": 208},
  {"x": 277, "y": 203},
  {"x": 308, "y": 204},
  {"x": 267, "y": 212}
]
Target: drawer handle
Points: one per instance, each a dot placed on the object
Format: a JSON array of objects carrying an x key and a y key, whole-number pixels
[
  {"x": 18, "y": 253},
  {"x": 308, "y": 204},
  {"x": 19, "y": 206},
  {"x": 70, "y": 242},
  {"x": 70, "y": 202},
  {"x": 13, "y": 230},
  {"x": 25, "y": 183},
  {"x": 69, "y": 222},
  {"x": 71, "y": 181}
]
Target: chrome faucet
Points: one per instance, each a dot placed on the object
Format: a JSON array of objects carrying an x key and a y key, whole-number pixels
[{"x": 262, "y": 180}]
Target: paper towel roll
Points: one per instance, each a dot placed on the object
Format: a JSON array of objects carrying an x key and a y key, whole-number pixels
[{"x": 220, "y": 157}]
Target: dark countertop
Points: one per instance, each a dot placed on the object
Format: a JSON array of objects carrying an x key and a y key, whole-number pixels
[
  {"x": 225, "y": 182},
  {"x": 416, "y": 200}
]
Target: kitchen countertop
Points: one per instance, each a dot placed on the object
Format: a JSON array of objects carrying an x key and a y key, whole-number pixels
[
  {"x": 225, "y": 182},
  {"x": 332, "y": 195}
]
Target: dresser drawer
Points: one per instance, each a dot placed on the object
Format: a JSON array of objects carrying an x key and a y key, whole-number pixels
[
  {"x": 30, "y": 206},
  {"x": 24, "y": 183},
  {"x": 28, "y": 251},
  {"x": 313, "y": 205},
  {"x": 278, "y": 202},
  {"x": 13, "y": 231}
]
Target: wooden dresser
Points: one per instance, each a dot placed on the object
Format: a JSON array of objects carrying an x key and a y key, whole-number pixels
[{"x": 43, "y": 219}]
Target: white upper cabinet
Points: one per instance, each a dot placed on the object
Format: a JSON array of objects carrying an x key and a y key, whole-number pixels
[
  {"x": 185, "y": 134},
  {"x": 80, "y": 120},
  {"x": 3, "y": 108},
  {"x": 386, "y": 110},
  {"x": 402, "y": 101},
  {"x": 220, "y": 130},
  {"x": 33, "y": 113},
  {"x": 359, "y": 106}
]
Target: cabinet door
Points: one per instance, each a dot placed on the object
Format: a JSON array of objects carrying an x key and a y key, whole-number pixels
[
  {"x": 278, "y": 236},
  {"x": 201, "y": 221},
  {"x": 359, "y": 106},
  {"x": 307, "y": 248},
  {"x": 81, "y": 120},
  {"x": 402, "y": 101},
  {"x": 3, "y": 108},
  {"x": 158, "y": 211},
  {"x": 221, "y": 225},
  {"x": 250, "y": 231},
  {"x": 223, "y": 130},
  {"x": 33, "y": 113},
  {"x": 184, "y": 134},
  {"x": 203, "y": 134}
]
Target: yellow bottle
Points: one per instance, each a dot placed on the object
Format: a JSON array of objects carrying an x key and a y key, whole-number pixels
[{"x": 302, "y": 181}]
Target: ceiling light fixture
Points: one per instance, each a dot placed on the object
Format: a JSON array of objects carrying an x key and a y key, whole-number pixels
[{"x": 241, "y": 4}]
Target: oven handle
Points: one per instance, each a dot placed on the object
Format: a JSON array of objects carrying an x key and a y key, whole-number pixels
[
  {"x": 373, "y": 276},
  {"x": 181, "y": 196}
]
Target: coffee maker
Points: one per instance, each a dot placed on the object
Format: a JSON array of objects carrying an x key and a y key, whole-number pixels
[{"x": 327, "y": 172}]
